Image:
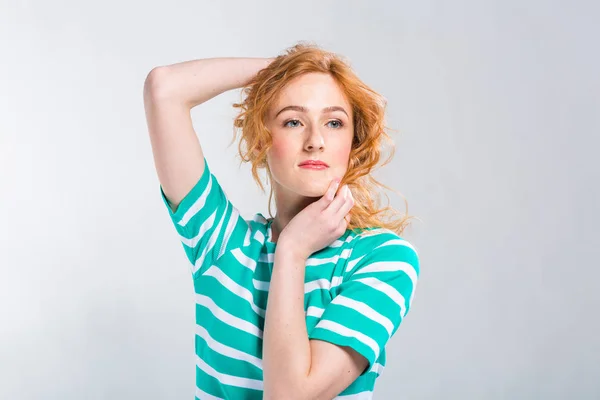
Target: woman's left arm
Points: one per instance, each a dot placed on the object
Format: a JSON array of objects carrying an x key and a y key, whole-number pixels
[{"x": 295, "y": 367}]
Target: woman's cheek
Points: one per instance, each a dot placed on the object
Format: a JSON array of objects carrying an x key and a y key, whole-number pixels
[
  {"x": 281, "y": 157},
  {"x": 342, "y": 156},
  {"x": 280, "y": 151}
]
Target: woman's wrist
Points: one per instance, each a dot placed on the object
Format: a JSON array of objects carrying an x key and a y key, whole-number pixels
[
  {"x": 197, "y": 81},
  {"x": 290, "y": 248}
]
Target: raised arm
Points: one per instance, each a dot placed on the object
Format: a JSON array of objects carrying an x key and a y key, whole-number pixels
[{"x": 170, "y": 92}]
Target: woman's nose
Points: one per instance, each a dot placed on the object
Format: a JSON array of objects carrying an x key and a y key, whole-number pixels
[{"x": 315, "y": 140}]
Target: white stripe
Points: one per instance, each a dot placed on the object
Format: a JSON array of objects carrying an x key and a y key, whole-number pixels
[
  {"x": 258, "y": 235},
  {"x": 345, "y": 253},
  {"x": 200, "y": 394},
  {"x": 267, "y": 258},
  {"x": 310, "y": 262},
  {"x": 231, "y": 380},
  {"x": 234, "y": 288},
  {"x": 227, "y": 351},
  {"x": 366, "y": 395},
  {"x": 313, "y": 311},
  {"x": 197, "y": 206},
  {"x": 260, "y": 219},
  {"x": 339, "y": 243},
  {"x": 228, "y": 318},
  {"x": 206, "y": 225},
  {"x": 388, "y": 290},
  {"x": 247, "y": 237},
  {"x": 377, "y": 368},
  {"x": 244, "y": 259},
  {"x": 233, "y": 219},
  {"x": 318, "y": 284},
  {"x": 336, "y": 281},
  {"x": 336, "y": 243},
  {"x": 347, "y": 332},
  {"x": 352, "y": 264},
  {"x": 365, "y": 310},
  {"x": 392, "y": 266},
  {"x": 261, "y": 285},
  {"x": 211, "y": 243},
  {"x": 399, "y": 242},
  {"x": 374, "y": 232}
]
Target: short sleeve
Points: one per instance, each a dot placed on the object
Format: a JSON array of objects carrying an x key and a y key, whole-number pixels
[
  {"x": 374, "y": 297},
  {"x": 207, "y": 223}
]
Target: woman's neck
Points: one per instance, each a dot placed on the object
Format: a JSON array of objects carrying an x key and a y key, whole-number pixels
[{"x": 288, "y": 206}]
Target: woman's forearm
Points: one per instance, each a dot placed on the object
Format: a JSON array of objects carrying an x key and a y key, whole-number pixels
[
  {"x": 196, "y": 81},
  {"x": 286, "y": 347}
]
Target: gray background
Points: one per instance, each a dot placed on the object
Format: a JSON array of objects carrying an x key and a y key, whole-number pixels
[{"x": 497, "y": 108}]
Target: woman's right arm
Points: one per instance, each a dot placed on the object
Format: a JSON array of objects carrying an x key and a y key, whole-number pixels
[{"x": 170, "y": 92}]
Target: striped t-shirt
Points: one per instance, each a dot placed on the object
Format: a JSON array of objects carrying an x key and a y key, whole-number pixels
[{"x": 357, "y": 291}]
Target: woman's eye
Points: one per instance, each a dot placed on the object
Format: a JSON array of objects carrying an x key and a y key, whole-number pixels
[
  {"x": 338, "y": 122},
  {"x": 291, "y": 120}
]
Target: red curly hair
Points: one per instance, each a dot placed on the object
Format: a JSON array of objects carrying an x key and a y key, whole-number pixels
[{"x": 369, "y": 128}]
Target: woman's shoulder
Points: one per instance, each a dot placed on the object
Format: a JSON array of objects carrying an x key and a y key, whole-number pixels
[
  {"x": 382, "y": 242},
  {"x": 374, "y": 235}
]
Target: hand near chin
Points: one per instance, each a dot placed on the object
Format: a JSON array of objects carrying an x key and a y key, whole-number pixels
[{"x": 320, "y": 223}]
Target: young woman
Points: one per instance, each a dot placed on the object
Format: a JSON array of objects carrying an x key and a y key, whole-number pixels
[{"x": 302, "y": 304}]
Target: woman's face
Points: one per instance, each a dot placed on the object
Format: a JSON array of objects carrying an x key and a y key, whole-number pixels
[{"x": 310, "y": 120}]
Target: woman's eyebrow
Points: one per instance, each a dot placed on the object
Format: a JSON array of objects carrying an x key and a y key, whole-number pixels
[{"x": 305, "y": 110}]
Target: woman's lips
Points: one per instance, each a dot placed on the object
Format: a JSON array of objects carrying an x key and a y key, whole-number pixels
[{"x": 314, "y": 166}]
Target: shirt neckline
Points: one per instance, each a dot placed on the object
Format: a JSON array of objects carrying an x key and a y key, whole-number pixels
[{"x": 269, "y": 233}]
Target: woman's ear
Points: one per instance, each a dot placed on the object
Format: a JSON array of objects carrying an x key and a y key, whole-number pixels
[
  {"x": 256, "y": 151},
  {"x": 259, "y": 148}
]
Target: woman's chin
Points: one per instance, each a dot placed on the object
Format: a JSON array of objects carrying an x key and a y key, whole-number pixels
[{"x": 312, "y": 191}]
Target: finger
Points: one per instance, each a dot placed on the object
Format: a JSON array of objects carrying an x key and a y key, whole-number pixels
[
  {"x": 346, "y": 206},
  {"x": 342, "y": 196},
  {"x": 330, "y": 193},
  {"x": 344, "y": 223}
]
